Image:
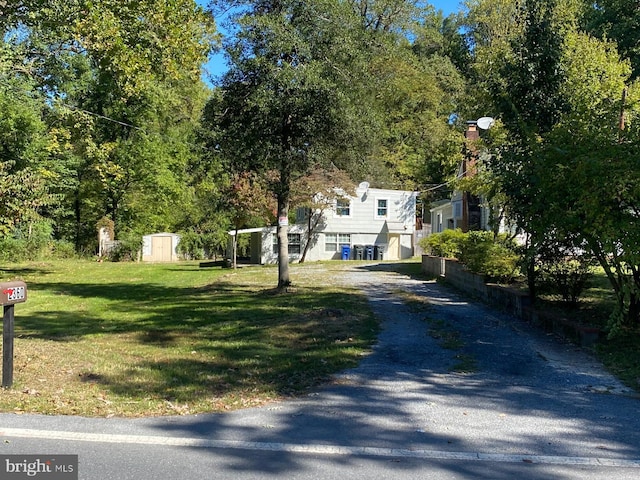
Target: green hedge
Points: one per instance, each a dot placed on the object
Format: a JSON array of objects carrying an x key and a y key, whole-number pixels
[{"x": 481, "y": 252}]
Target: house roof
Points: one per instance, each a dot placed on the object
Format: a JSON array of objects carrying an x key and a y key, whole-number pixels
[
  {"x": 439, "y": 204},
  {"x": 246, "y": 230},
  {"x": 395, "y": 227}
]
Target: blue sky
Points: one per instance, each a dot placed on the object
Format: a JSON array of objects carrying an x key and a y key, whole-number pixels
[{"x": 216, "y": 64}]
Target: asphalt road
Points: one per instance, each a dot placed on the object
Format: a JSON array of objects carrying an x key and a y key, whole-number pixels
[{"x": 532, "y": 407}]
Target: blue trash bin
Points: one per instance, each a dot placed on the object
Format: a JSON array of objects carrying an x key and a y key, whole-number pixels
[{"x": 346, "y": 252}]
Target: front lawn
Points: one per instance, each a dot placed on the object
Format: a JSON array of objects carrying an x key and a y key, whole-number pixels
[{"x": 127, "y": 339}]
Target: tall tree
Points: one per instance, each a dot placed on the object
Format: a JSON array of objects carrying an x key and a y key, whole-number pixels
[
  {"x": 561, "y": 96},
  {"x": 519, "y": 67},
  {"x": 586, "y": 147},
  {"x": 618, "y": 20},
  {"x": 24, "y": 144},
  {"x": 283, "y": 102},
  {"x": 124, "y": 94},
  {"x": 418, "y": 88}
]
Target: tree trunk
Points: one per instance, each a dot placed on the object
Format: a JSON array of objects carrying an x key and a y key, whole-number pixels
[
  {"x": 77, "y": 212},
  {"x": 634, "y": 301},
  {"x": 283, "y": 239},
  {"x": 531, "y": 268},
  {"x": 634, "y": 311},
  {"x": 307, "y": 244}
]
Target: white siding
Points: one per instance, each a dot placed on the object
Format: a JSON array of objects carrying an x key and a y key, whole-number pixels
[
  {"x": 363, "y": 218},
  {"x": 363, "y": 225}
]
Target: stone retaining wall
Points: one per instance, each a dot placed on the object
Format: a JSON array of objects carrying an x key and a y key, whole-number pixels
[
  {"x": 510, "y": 300},
  {"x": 433, "y": 266}
]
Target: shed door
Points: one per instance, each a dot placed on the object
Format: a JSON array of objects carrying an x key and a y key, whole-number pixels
[{"x": 161, "y": 249}]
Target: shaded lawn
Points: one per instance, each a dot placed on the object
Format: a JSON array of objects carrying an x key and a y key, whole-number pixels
[{"x": 137, "y": 339}]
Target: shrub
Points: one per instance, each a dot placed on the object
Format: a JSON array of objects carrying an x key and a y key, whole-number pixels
[
  {"x": 12, "y": 249},
  {"x": 63, "y": 249},
  {"x": 127, "y": 249},
  {"x": 191, "y": 246},
  {"x": 214, "y": 243},
  {"x": 487, "y": 255},
  {"x": 446, "y": 244},
  {"x": 567, "y": 277},
  {"x": 30, "y": 241},
  {"x": 479, "y": 251}
]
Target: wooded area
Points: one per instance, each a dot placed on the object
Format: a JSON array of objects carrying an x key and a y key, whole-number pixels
[{"x": 104, "y": 115}]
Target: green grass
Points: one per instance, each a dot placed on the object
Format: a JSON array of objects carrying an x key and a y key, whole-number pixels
[
  {"x": 594, "y": 305},
  {"x": 127, "y": 339},
  {"x": 465, "y": 364},
  {"x": 621, "y": 355}
]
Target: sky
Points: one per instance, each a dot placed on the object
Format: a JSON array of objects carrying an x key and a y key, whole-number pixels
[{"x": 216, "y": 64}]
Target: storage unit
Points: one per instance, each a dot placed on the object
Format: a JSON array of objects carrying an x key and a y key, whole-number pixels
[{"x": 160, "y": 247}]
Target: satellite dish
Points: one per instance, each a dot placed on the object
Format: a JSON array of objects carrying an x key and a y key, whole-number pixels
[
  {"x": 362, "y": 190},
  {"x": 486, "y": 123}
]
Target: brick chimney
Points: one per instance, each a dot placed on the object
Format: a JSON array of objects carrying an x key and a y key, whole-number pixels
[
  {"x": 470, "y": 154},
  {"x": 470, "y": 203}
]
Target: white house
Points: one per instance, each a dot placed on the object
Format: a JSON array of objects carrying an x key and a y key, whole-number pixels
[
  {"x": 470, "y": 213},
  {"x": 375, "y": 224},
  {"x": 465, "y": 210}
]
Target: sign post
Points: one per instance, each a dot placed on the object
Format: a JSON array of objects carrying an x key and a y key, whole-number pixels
[{"x": 10, "y": 294}]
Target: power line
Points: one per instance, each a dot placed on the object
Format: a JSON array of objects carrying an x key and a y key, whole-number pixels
[{"x": 104, "y": 117}]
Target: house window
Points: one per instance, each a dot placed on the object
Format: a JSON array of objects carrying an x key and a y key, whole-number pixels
[
  {"x": 294, "y": 243},
  {"x": 343, "y": 207},
  {"x": 301, "y": 214},
  {"x": 457, "y": 209},
  {"x": 332, "y": 241},
  {"x": 382, "y": 208}
]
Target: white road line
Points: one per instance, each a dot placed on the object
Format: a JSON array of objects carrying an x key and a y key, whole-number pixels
[{"x": 317, "y": 449}]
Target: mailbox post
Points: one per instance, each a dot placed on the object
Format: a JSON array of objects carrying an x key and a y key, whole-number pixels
[{"x": 10, "y": 294}]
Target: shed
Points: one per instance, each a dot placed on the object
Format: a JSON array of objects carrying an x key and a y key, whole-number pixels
[{"x": 160, "y": 247}]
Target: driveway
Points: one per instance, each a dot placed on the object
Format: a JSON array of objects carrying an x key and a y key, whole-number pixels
[{"x": 503, "y": 400}]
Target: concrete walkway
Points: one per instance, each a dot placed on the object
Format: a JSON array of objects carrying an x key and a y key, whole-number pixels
[{"x": 532, "y": 406}]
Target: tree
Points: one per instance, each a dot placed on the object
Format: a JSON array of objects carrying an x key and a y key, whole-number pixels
[
  {"x": 283, "y": 103},
  {"x": 123, "y": 88},
  {"x": 249, "y": 202},
  {"x": 586, "y": 147},
  {"x": 531, "y": 102},
  {"x": 617, "y": 20},
  {"x": 418, "y": 92},
  {"x": 24, "y": 145},
  {"x": 316, "y": 193},
  {"x": 603, "y": 215},
  {"x": 388, "y": 15},
  {"x": 560, "y": 97},
  {"x": 521, "y": 69}
]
